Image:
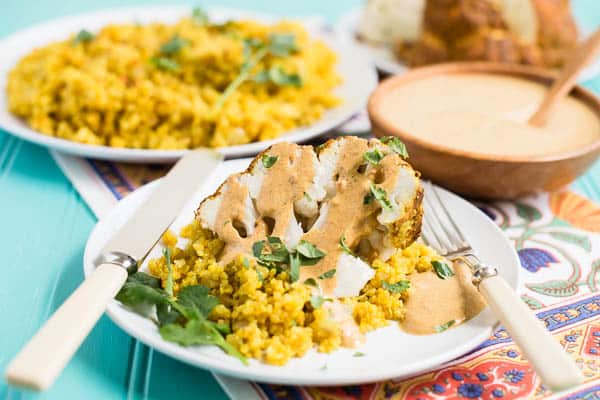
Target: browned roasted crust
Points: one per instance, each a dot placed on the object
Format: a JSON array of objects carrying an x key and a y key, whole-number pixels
[
  {"x": 557, "y": 35},
  {"x": 474, "y": 30}
]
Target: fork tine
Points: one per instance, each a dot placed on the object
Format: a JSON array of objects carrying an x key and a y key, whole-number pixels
[
  {"x": 430, "y": 239},
  {"x": 457, "y": 231},
  {"x": 436, "y": 225}
]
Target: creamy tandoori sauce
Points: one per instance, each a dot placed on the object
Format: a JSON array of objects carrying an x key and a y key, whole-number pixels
[
  {"x": 433, "y": 302},
  {"x": 487, "y": 114},
  {"x": 287, "y": 181}
]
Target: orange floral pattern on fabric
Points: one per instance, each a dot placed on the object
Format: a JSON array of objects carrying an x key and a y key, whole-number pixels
[{"x": 576, "y": 210}]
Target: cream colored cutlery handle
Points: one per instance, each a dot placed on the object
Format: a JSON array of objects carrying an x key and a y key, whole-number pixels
[
  {"x": 38, "y": 364},
  {"x": 554, "y": 366}
]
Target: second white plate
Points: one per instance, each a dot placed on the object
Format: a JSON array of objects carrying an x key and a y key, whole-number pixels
[
  {"x": 389, "y": 352},
  {"x": 358, "y": 74}
]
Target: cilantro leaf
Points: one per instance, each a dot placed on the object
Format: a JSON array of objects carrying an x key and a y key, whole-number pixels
[
  {"x": 368, "y": 199},
  {"x": 140, "y": 297},
  {"x": 316, "y": 301},
  {"x": 197, "y": 332},
  {"x": 309, "y": 250},
  {"x": 196, "y": 298},
  {"x": 83, "y": 36},
  {"x": 344, "y": 245},
  {"x": 380, "y": 195},
  {"x": 199, "y": 16},
  {"x": 359, "y": 354},
  {"x": 282, "y": 44},
  {"x": 442, "y": 269},
  {"x": 328, "y": 274},
  {"x": 173, "y": 46},
  {"x": 166, "y": 314},
  {"x": 166, "y": 64},
  {"x": 374, "y": 156},
  {"x": 397, "y": 287},
  {"x": 169, "y": 283},
  {"x": 444, "y": 326},
  {"x": 311, "y": 282},
  {"x": 396, "y": 145},
  {"x": 144, "y": 279},
  {"x": 257, "y": 248},
  {"x": 268, "y": 161},
  {"x": 294, "y": 267},
  {"x": 278, "y": 76}
]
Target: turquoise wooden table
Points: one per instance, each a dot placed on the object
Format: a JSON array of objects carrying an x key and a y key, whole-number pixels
[{"x": 45, "y": 224}]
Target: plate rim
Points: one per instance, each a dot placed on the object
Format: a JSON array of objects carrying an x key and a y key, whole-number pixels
[
  {"x": 231, "y": 367},
  {"x": 16, "y": 127}
]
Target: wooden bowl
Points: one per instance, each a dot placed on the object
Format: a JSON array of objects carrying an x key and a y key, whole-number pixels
[{"x": 481, "y": 175}]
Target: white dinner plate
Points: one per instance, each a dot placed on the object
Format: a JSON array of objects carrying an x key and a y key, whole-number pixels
[
  {"x": 389, "y": 352},
  {"x": 385, "y": 61},
  {"x": 358, "y": 74}
]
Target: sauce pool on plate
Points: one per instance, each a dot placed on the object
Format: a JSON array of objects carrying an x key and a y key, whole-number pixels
[
  {"x": 487, "y": 114},
  {"x": 436, "y": 304}
]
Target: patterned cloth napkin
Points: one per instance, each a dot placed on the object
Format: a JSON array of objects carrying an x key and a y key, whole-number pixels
[{"x": 557, "y": 237}]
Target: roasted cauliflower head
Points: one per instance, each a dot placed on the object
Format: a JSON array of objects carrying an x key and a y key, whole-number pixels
[{"x": 341, "y": 206}]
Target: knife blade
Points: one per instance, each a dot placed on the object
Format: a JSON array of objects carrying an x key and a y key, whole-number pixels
[
  {"x": 150, "y": 221},
  {"x": 42, "y": 359}
]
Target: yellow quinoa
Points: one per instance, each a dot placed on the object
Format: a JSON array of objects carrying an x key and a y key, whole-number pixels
[
  {"x": 271, "y": 319},
  {"x": 106, "y": 91}
]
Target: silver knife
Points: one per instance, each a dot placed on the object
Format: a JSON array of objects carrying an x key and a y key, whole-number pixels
[{"x": 42, "y": 359}]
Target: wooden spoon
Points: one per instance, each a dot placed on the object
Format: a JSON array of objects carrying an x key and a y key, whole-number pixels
[{"x": 567, "y": 79}]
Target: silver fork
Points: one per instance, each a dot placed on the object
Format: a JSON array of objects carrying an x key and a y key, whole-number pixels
[{"x": 555, "y": 367}]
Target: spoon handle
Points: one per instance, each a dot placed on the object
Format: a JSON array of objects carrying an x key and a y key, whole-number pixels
[
  {"x": 554, "y": 366},
  {"x": 567, "y": 79}
]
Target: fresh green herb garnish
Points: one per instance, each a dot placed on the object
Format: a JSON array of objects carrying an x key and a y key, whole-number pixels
[
  {"x": 279, "y": 45},
  {"x": 316, "y": 301},
  {"x": 359, "y": 354},
  {"x": 442, "y": 269},
  {"x": 169, "y": 283},
  {"x": 328, "y": 274},
  {"x": 344, "y": 245},
  {"x": 196, "y": 332},
  {"x": 182, "y": 320},
  {"x": 282, "y": 44},
  {"x": 380, "y": 195},
  {"x": 311, "y": 282},
  {"x": 368, "y": 199},
  {"x": 268, "y": 160},
  {"x": 272, "y": 253},
  {"x": 141, "y": 292},
  {"x": 374, "y": 156},
  {"x": 260, "y": 276},
  {"x": 397, "y": 287},
  {"x": 199, "y": 16},
  {"x": 197, "y": 301},
  {"x": 307, "y": 196},
  {"x": 83, "y": 36},
  {"x": 278, "y": 76},
  {"x": 173, "y": 46},
  {"x": 166, "y": 64},
  {"x": 294, "y": 267},
  {"x": 309, "y": 250},
  {"x": 444, "y": 326},
  {"x": 396, "y": 145}
]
